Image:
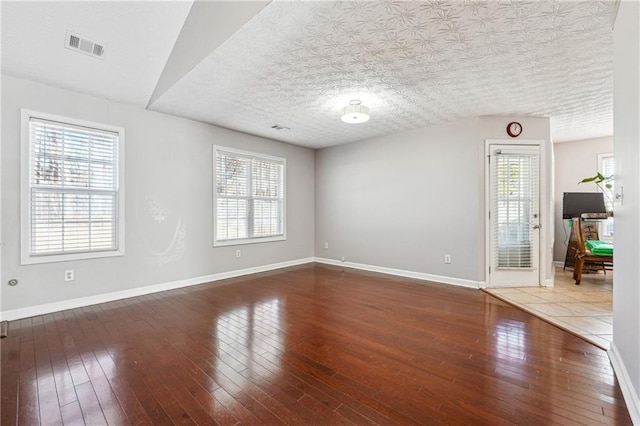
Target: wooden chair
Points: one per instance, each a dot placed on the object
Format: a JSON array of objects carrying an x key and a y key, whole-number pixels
[{"x": 583, "y": 255}]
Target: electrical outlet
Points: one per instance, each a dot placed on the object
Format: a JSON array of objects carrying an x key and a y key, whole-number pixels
[
  {"x": 238, "y": 253},
  {"x": 326, "y": 246},
  {"x": 69, "y": 275},
  {"x": 447, "y": 258}
]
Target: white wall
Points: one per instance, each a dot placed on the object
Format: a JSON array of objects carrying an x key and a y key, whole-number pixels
[
  {"x": 405, "y": 200},
  {"x": 574, "y": 161},
  {"x": 168, "y": 164},
  {"x": 626, "y": 126}
]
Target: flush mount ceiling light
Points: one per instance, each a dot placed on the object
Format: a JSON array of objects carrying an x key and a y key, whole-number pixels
[{"x": 355, "y": 113}]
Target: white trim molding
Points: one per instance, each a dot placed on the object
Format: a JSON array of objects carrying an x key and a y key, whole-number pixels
[
  {"x": 403, "y": 273},
  {"x": 80, "y": 302},
  {"x": 629, "y": 393}
]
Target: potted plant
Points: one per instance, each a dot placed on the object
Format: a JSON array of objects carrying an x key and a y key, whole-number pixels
[{"x": 604, "y": 184}]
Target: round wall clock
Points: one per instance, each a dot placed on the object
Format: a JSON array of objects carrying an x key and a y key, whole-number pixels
[{"x": 514, "y": 129}]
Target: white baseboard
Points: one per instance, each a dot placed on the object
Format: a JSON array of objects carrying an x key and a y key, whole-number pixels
[
  {"x": 558, "y": 263},
  {"x": 63, "y": 305},
  {"x": 402, "y": 273},
  {"x": 631, "y": 397}
]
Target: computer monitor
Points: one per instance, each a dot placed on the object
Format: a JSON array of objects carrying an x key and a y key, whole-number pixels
[{"x": 576, "y": 203}]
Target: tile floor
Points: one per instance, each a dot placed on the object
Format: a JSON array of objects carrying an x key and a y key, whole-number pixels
[{"x": 585, "y": 309}]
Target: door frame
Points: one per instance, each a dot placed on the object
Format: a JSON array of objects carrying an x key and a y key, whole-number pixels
[{"x": 545, "y": 204}]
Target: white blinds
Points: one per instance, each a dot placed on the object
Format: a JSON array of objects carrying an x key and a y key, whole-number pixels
[
  {"x": 608, "y": 169},
  {"x": 515, "y": 186},
  {"x": 73, "y": 188},
  {"x": 249, "y": 196}
]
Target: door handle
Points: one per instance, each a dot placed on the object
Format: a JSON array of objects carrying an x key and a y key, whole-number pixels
[{"x": 537, "y": 226}]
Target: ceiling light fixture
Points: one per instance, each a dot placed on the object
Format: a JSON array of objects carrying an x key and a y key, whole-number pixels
[{"x": 355, "y": 112}]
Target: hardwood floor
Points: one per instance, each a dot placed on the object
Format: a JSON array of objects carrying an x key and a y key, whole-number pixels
[
  {"x": 307, "y": 345},
  {"x": 585, "y": 310}
]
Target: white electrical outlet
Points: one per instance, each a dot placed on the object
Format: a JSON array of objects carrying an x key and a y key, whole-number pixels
[
  {"x": 326, "y": 246},
  {"x": 69, "y": 275},
  {"x": 447, "y": 258},
  {"x": 238, "y": 253}
]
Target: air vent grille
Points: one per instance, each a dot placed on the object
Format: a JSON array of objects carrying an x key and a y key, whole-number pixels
[
  {"x": 74, "y": 41},
  {"x": 98, "y": 50},
  {"x": 83, "y": 45}
]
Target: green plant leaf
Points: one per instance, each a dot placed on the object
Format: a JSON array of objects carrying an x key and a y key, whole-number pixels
[{"x": 590, "y": 179}]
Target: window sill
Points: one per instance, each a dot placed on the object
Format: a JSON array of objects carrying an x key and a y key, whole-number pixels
[
  {"x": 34, "y": 260},
  {"x": 249, "y": 241}
]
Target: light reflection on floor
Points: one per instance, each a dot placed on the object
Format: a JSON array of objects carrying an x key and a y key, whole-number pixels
[
  {"x": 511, "y": 340},
  {"x": 585, "y": 309},
  {"x": 247, "y": 331}
]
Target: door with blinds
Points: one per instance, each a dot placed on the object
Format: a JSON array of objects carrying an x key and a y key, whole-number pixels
[{"x": 514, "y": 216}]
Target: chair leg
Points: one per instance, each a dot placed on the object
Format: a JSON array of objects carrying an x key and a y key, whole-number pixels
[{"x": 577, "y": 271}]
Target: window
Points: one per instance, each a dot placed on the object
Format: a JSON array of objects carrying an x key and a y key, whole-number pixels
[
  {"x": 606, "y": 166},
  {"x": 72, "y": 204},
  {"x": 249, "y": 201}
]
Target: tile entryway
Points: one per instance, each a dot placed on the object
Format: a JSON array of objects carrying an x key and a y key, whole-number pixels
[{"x": 585, "y": 309}]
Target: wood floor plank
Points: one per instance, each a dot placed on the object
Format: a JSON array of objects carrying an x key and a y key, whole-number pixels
[
  {"x": 72, "y": 414},
  {"x": 137, "y": 401},
  {"x": 311, "y": 344},
  {"x": 10, "y": 378},
  {"x": 89, "y": 404},
  {"x": 28, "y": 398}
]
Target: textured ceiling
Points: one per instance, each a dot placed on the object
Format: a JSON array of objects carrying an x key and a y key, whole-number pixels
[
  {"x": 413, "y": 63},
  {"x": 296, "y": 64}
]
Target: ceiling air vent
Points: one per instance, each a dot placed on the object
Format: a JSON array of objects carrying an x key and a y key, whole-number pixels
[{"x": 81, "y": 44}]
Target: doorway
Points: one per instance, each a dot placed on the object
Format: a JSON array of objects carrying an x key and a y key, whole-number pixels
[{"x": 513, "y": 215}]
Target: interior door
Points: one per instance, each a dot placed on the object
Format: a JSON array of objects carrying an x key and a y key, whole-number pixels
[{"x": 514, "y": 215}]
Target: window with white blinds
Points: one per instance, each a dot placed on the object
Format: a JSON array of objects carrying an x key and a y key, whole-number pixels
[
  {"x": 71, "y": 188},
  {"x": 249, "y": 197},
  {"x": 516, "y": 193}
]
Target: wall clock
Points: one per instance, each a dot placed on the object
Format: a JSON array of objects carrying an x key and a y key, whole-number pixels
[{"x": 514, "y": 129}]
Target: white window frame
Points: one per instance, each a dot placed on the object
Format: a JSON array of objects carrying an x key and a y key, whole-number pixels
[
  {"x": 27, "y": 257},
  {"x": 250, "y": 240},
  {"x": 603, "y": 225}
]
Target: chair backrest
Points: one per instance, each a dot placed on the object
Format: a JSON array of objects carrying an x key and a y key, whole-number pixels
[
  {"x": 577, "y": 229},
  {"x": 591, "y": 233}
]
